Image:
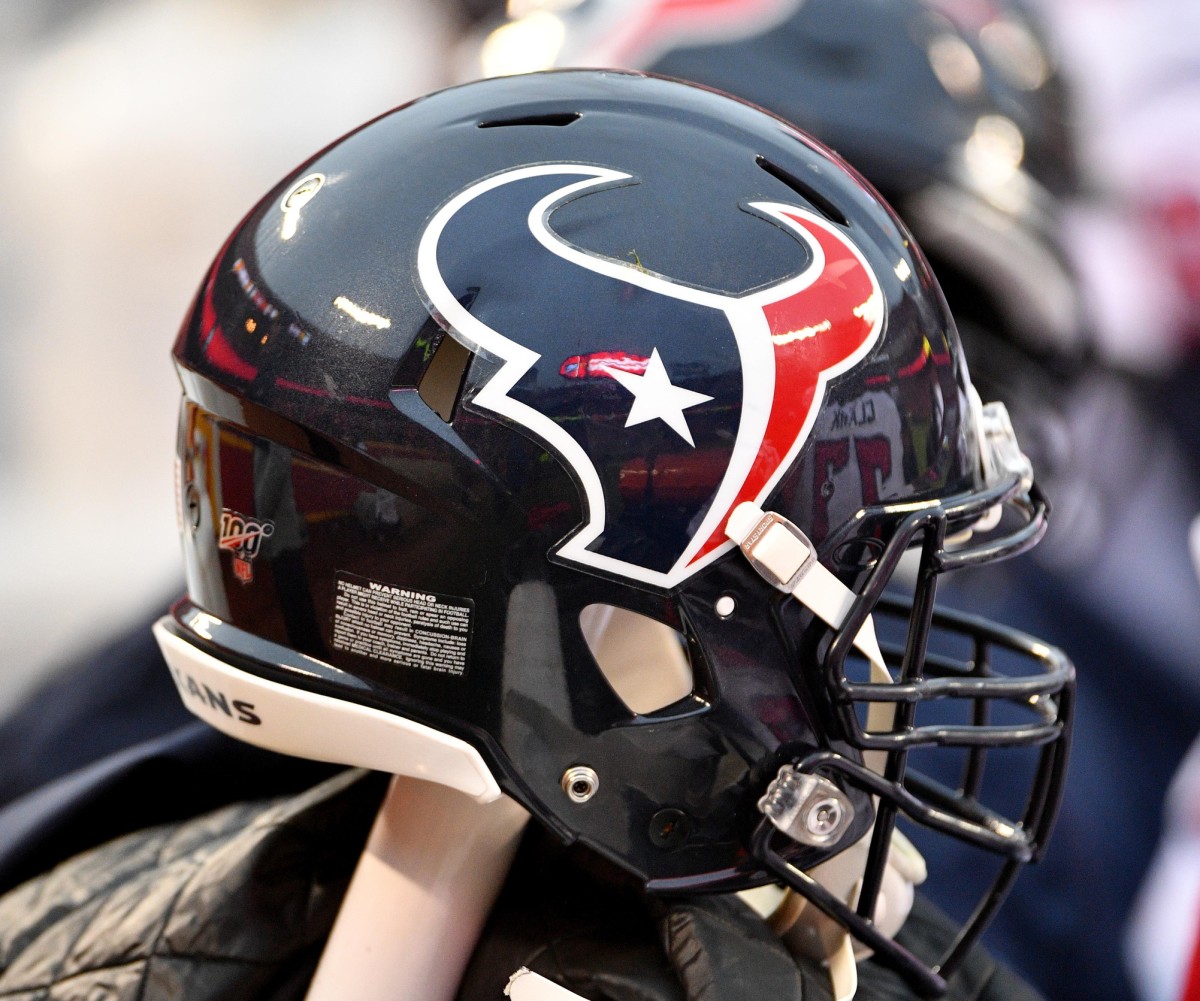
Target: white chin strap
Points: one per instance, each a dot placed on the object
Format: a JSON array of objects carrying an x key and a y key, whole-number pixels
[{"x": 785, "y": 557}]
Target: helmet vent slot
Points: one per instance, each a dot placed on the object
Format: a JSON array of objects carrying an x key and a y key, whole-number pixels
[
  {"x": 644, "y": 661},
  {"x": 805, "y": 191},
  {"x": 556, "y": 120},
  {"x": 442, "y": 381}
]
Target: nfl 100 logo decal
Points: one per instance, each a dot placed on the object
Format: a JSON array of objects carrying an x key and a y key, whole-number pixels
[{"x": 243, "y": 536}]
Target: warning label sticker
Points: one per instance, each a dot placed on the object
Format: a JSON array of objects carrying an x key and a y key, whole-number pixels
[{"x": 401, "y": 626}]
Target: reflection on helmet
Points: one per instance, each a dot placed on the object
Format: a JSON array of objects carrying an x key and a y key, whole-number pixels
[{"x": 541, "y": 352}]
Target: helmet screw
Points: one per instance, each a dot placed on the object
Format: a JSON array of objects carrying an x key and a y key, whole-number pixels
[
  {"x": 669, "y": 828},
  {"x": 823, "y": 817},
  {"x": 580, "y": 783},
  {"x": 726, "y": 605}
]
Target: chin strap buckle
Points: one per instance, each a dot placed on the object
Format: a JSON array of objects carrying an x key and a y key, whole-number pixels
[
  {"x": 787, "y": 560},
  {"x": 777, "y": 549},
  {"x": 1001, "y": 450}
]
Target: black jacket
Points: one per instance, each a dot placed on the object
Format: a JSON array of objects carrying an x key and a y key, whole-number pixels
[{"x": 236, "y": 904}]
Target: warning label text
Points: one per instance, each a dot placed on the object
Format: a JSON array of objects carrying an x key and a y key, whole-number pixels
[{"x": 401, "y": 626}]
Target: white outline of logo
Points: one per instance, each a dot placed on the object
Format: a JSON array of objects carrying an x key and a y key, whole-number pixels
[{"x": 745, "y": 314}]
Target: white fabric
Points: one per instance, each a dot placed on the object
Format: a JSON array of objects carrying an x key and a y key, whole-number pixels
[{"x": 525, "y": 985}]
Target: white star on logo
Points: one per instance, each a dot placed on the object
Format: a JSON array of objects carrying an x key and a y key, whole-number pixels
[{"x": 655, "y": 398}]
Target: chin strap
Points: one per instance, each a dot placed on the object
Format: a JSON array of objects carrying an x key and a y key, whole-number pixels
[
  {"x": 786, "y": 559},
  {"x": 809, "y": 931},
  {"x": 796, "y": 804}
]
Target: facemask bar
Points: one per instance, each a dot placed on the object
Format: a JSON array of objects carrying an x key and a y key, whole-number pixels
[{"x": 1044, "y": 689}]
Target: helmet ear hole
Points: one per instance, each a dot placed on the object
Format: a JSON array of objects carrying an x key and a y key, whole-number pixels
[{"x": 644, "y": 660}]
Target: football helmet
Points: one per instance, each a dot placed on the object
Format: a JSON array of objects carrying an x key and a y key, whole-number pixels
[{"x": 535, "y": 355}]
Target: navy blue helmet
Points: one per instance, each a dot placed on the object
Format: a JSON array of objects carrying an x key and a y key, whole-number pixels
[{"x": 535, "y": 364}]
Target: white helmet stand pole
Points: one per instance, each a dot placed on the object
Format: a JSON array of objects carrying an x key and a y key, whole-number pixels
[{"x": 427, "y": 878}]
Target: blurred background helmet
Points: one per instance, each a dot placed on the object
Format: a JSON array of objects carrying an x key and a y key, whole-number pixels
[
  {"x": 1020, "y": 66},
  {"x": 559, "y": 435}
]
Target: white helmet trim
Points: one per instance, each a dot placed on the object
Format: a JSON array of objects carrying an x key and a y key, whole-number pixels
[{"x": 293, "y": 721}]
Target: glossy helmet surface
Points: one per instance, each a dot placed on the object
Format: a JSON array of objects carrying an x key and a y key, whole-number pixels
[{"x": 538, "y": 350}]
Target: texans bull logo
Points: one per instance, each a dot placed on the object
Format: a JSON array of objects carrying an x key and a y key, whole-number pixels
[{"x": 695, "y": 364}]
